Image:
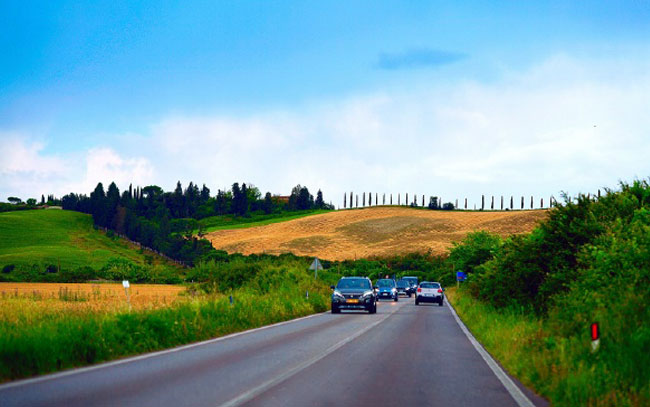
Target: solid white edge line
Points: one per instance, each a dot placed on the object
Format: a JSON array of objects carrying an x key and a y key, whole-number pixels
[
  {"x": 515, "y": 392},
  {"x": 252, "y": 393},
  {"x": 74, "y": 371}
]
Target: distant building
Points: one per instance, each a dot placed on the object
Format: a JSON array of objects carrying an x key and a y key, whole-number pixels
[{"x": 280, "y": 199}]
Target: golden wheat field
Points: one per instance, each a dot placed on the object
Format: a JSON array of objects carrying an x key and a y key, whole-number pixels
[
  {"x": 379, "y": 231},
  {"x": 40, "y": 300}
]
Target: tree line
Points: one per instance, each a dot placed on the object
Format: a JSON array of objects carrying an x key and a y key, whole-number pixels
[{"x": 166, "y": 221}]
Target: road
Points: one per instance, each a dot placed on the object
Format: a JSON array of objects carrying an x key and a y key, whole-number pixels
[{"x": 403, "y": 355}]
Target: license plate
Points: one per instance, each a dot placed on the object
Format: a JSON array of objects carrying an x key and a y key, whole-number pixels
[{"x": 352, "y": 301}]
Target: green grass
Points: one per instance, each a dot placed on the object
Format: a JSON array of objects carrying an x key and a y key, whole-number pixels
[
  {"x": 557, "y": 366},
  {"x": 62, "y": 238},
  {"x": 35, "y": 343},
  {"x": 82, "y": 339},
  {"x": 257, "y": 219}
]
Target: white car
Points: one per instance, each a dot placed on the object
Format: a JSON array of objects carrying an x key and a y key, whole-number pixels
[{"x": 429, "y": 291}]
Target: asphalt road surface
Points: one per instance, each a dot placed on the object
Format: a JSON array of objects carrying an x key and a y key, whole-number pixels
[{"x": 403, "y": 355}]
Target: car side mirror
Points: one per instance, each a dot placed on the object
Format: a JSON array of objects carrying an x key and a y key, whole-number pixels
[
  {"x": 332, "y": 287},
  {"x": 375, "y": 288},
  {"x": 443, "y": 288}
]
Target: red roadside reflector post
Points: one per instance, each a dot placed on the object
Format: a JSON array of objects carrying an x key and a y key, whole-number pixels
[{"x": 595, "y": 336}]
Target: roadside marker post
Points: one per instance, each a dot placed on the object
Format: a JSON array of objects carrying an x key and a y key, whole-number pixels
[
  {"x": 231, "y": 300},
  {"x": 126, "y": 285},
  {"x": 595, "y": 337}
]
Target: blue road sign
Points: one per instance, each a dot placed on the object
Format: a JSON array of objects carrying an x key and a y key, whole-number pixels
[{"x": 460, "y": 276}]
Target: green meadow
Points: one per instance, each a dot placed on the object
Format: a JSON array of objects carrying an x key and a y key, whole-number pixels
[
  {"x": 65, "y": 239},
  {"x": 224, "y": 222}
]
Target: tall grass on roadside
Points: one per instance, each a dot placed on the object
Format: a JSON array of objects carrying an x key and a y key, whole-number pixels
[
  {"x": 560, "y": 367},
  {"x": 66, "y": 341}
]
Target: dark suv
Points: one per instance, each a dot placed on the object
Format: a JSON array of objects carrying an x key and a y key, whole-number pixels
[
  {"x": 413, "y": 281},
  {"x": 404, "y": 287},
  {"x": 354, "y": 293}
]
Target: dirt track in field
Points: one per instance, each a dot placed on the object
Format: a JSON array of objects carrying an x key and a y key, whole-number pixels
[{"x": 380, "y": 231}]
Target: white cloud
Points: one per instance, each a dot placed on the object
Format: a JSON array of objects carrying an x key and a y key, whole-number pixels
[
  {"x": 565, "y": 124},
  {"x": 106, "y": 166},
  {"x": 28, "y": 172},
  {"x": 22, "y": 158},
  {"x": 24, "y": 170}
]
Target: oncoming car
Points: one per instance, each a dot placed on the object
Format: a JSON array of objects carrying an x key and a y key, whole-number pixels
[
  {"x": 413, "y": 281},
  {"x": 387, "y": 289},
  {"x": 403, "y": 287},
  {"x": 429, "y": 291},
  {"x": 354, "y": 293}
]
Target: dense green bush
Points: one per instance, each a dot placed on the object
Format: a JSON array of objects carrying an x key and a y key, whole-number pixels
[
  {"x": 118, "y": 268},
  {"x": 589, "y": 262},
  {"x": 531, "y": 270}
]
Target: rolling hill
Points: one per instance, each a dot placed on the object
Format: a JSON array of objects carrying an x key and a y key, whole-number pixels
[
  {"x": 379, "y": 231},
  {"x": 62, "y": 238}
]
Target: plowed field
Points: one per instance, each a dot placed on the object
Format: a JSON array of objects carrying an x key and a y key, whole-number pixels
[{"x": 380, "y": 231}]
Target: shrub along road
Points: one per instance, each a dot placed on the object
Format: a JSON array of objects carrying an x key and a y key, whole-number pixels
[{"x": 402, "y": 355}]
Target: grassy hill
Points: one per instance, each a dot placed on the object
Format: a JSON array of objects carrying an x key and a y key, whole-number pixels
[
  {"x": 62, "y": 238},
  {"x": 225, "y": 222}
]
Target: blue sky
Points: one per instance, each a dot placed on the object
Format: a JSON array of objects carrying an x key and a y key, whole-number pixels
[{"x": 117, "y": 91}]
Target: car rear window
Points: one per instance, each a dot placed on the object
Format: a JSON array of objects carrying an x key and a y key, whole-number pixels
[{"x": 430, "y": 285}]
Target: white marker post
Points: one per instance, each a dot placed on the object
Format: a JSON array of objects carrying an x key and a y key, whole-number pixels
[
  {"x": 595, "y": 337},
  {"x": 125, "y": 284}
]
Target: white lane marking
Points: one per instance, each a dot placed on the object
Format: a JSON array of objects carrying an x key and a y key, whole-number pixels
[
  {"x": 252, "y": 393},
  {"x": 71, "y": 372},
  {"x": 516, "y": 393}
]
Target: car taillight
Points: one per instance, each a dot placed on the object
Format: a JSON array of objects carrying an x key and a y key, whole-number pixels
[
  {"x": 439, "y": 290},
  {"x": 419, "y": 290}
]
